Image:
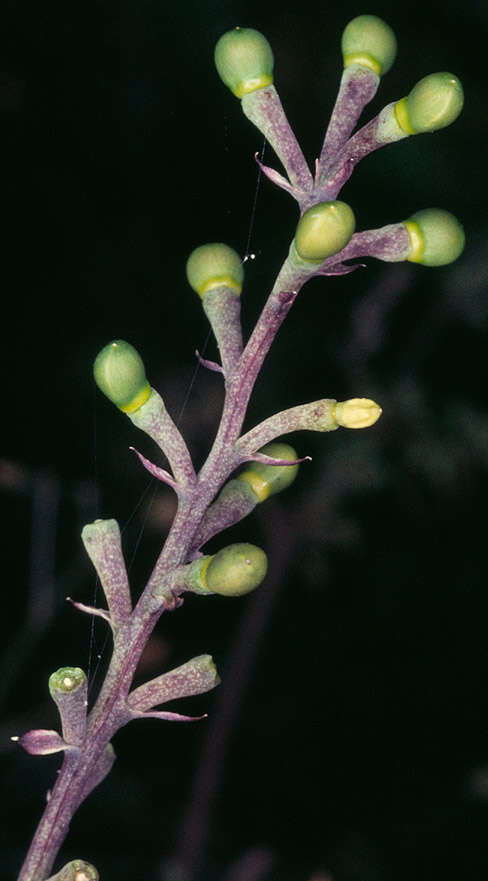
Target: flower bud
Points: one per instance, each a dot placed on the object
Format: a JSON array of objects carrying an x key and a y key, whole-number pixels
[
  {"x": 369, "y": 41},
  {"x": 357, "y": 413},
  {"x": 120, "y": 375},
  {"x": 323, "y": 230},
  {"x": 66, "y": 680},
  {"x": 436, "y": 237},
  {"x": 76, "y": 870},
  {"x": 266, "y": 480},
  {"x": 233, "y": 571},
  {"x": 68, "y": 688},
  {"x": 212, "y": 266},
  {"x": 434, "y": 102},
  {"x": 244, "y": 61}
]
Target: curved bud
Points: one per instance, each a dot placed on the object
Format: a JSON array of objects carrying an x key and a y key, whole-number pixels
[
  {"x": 120, "y": 375},
  {"x": 434, "y": 102},
  {"x": 76, "y": 870},
  {"x": 266, "y": 480},
  {"x": 244, "y": 61},
  {"x": 357, "y": 413},
  {"x": 323, "y": 230},
  {"x": 233, "y": 571},
  {"x": 369, "y": 41},
  {"x": 212, "y": 266},
  {"x": 436, "y": 237}
]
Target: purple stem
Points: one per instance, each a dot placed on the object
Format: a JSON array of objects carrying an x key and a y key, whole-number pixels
[
  {"x": 388, "y": 243},
  {"x": 379, "y": 132},
  {"x": 264, "y": 108},
  {"x": 110, "y": 711},
  {"x": 358, "y": 86}
]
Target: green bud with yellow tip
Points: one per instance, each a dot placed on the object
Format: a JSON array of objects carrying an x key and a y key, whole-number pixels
[
  {"x": 244, "y": 61},
  {"x": 233, "y": 571},
  {"x": 436, "y": 237},
  {"x": 323, "y": 230},
  {"x": 212, "y": 266},
  {"x": 369, "y": 41},
  {"x": 434, "y": 102},
  {"x": 119, "y": 373},
  {"x": 266, "y": 480}
]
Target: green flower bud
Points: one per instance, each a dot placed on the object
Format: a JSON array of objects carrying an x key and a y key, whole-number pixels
[
  {"x": 120, "y": 375},
  {"x": 266, "y": 480},
  {"x": 212, "y": 266},
  {"x": 323, "y": 230},
  {"x": 233, "y": 571},
  {"x": 76, "y": 870},
  {"x": 244, "y": 61},
  {"x": 68, "y": 688},
  {"x": 369, "y": 41},
  {"x": 434, "y": 102},
  {"x": 436, "y": 237},
  {"x": 66, "y": 680}
]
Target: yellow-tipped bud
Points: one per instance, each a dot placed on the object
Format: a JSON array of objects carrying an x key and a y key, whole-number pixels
[
  {"x": 244, "y": 61},
  {"x": 231, "y": 572},
  {"x": 434, "y": 102},
  {"x": 212, "y": 266},
  {"x": 436, "y": 237},
  {"x": 119, "y": 373},
  {"x": 323, "y": 230},
  {"x": 266, "y": 480},
  {"x": 357, "y": 413},
  {"x": 66, "y": 680},
  {"x": 369, "y": 41}
]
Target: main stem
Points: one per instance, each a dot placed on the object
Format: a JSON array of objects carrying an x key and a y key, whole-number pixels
[{"x": 110, "y": 710}]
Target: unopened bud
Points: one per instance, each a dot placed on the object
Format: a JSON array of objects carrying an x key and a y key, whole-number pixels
[
  {"x": 323, "y": 230},
  {"x": 68, "y": 688},
  {"x": 76, "y": 870},
  {"x": 266, "y": 480},
  {"x": 119, "y": 373},
  {"x": 434, "y": 102},
  {"x": 436, "y": 237},
  {"x": 244, "y": 61},
  {"x": 357, "y": 413},
  {"x": 233, "y": 571},
  {"x": 212, "y": 266},
  {"x": 369, "y": 41},
  {"x": 66, "y": 680}
]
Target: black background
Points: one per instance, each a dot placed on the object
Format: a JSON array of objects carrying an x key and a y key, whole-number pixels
[{"x": 360, "y": 746}]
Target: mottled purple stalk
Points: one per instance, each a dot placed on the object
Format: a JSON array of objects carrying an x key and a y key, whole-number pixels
[
  {"x": 379, "y": 132},
  {"x": 222, "y": 306},
  {"x": 154, "y": 419},
  {"x": 358, "y": 86},
  {"x": 389, "y": 243},
  {"x": 103, "y": 546},
  {"x": 264, "y": 108},
  {"x": 316, "y": 416}
]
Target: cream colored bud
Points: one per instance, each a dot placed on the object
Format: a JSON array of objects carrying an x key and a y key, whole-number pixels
[{"x": 357, "y": 413}]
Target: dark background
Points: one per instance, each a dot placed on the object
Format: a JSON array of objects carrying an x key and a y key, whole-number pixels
[{"x": 356, "y": 745}]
